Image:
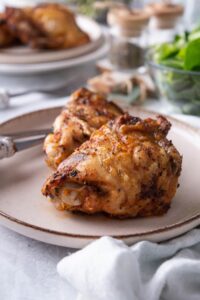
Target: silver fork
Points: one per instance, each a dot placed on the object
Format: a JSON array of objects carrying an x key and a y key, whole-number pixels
[{"x": 15, "y": 142}]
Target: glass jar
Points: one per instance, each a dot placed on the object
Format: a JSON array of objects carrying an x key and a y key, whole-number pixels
[
  {"x": 165, "y": 21},
  {"x": 101, "y": 9},
  {"x": 192, "y": 16},
  {"x": 128, "y": 40}
]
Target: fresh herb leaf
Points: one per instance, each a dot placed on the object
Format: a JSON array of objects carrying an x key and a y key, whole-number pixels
[
  {"x": 192, "y": 55},
  {"x": 182, "y": 89}
]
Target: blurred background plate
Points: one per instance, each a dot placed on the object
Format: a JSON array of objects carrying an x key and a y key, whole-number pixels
[
  {"x": 56, "y": 65},
  {"x": 26, "y": 55},
  {"x": 15, "y": 78}
]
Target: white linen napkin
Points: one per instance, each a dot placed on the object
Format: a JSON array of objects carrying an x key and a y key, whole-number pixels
[{"x": 107, "y": 269}]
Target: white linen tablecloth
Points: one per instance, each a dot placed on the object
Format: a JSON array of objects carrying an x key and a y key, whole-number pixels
[
  {"x": 110, "y": 270},
  {"x": 28, "y": 267}
]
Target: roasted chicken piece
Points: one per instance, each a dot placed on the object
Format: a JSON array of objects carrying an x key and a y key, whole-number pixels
[
  {"x": 128, "y": 168},
  {"x": 58, "y": 22},
  {"x": 50, "y": 26},
  {"x": 19, "y": 24},
  {"x": 6, "y": 37},
  {"x": 84, "y": 113}
]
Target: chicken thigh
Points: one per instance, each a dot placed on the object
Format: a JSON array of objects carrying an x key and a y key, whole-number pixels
[
  {"x": 128, "y": 168},
  {"x": 6, "y": 37},
  {"x": 84, "y": 113},
  {"x": 46, "y": 26}
]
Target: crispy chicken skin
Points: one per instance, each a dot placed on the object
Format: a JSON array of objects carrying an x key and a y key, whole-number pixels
[
  {"x": 46, "y": 26},
  {"x": 19, "y": 23},
  {"x": 58, "y": 22},
  {"x": 6, "y": 37},
  {"x": 128, "y": 168},
  {"x": 84, "y": 113}
]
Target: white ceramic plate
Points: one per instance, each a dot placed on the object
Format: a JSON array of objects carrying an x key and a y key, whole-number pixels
[
  {"x": 25, "y": 210},
  {"x": 25, "y": 55},
  {"x": 56, "y": 65}
]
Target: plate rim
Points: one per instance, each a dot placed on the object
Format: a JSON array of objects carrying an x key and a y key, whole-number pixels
[
  {"x": 41, "y": 68},
  {"x": 128, "y": 236},
  {"x": 160, "y": 230}
]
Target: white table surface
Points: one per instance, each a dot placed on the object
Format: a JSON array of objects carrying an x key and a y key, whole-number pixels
[{"x": 28, "y": 267}]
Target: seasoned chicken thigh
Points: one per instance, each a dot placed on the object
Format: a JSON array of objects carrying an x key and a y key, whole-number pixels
[
  {"x": 128, "y": 168},
  {"x": 20, "y": 25},
  {"x": 6, "y": 37},
  {"x": 84, "y": 113},
  {"x": 48, "y": 26},
  {"x": 59, "y": 23}
]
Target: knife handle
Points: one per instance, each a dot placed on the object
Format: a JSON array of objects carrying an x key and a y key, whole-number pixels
[{"x": 7, "y": 147}]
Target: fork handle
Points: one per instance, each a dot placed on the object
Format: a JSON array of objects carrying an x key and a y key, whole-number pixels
[{"x": 7, "y": 147}]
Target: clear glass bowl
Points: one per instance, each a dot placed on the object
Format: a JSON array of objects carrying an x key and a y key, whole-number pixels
[{"x": 180, "y": 88}]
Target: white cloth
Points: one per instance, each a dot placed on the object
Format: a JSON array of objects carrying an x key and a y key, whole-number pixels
[
  {"x": 107, "y": 269},
  {"x": 28, "y": 269}
]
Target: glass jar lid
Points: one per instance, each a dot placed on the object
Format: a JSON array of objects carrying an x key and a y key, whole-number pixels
[{"x": 128, "y": 22}]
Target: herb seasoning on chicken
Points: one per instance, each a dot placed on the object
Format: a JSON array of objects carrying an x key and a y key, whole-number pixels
[
  {"x": 128, "y": 168},
  {"x": 84, "y": 113}
]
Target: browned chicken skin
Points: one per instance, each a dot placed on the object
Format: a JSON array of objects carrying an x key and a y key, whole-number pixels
[
  {"x": 46, "y": 26},
  {"x": 84, "y": 113},
  {"x": 128, "y": 168},
  {"x": 6, "y": 37},
  {"x": 19, "y": 23},
  {"x": 59, "y": 23}
]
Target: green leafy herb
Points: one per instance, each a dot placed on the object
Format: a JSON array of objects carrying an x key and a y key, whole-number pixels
[
  {"x": 192, "y": 55},
  {"x": 183, "y": 54}
]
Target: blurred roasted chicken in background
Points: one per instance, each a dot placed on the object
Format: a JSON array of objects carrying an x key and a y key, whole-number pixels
[
  {"x": 6, "y": 37},
  {"x": 45, "y": 26},
  {"x": 85, "y": 112},
  {"x": 128, "y": 168}
]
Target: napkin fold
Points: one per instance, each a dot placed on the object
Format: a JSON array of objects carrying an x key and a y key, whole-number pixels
[{"x": 107, "y": 269}]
